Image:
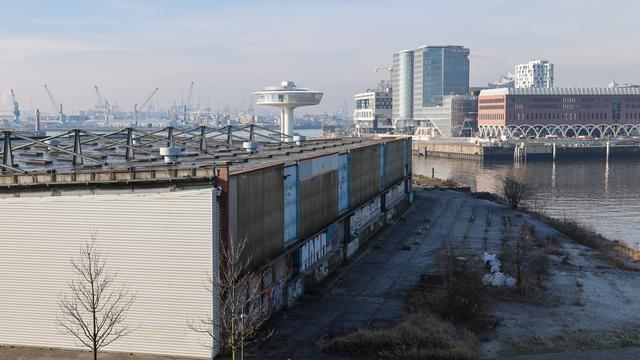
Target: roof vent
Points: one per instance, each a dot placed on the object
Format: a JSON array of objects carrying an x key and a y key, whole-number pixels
[
  {"x": 250, "y": 146},
  {"x": 170, "y": 154},
  {"x": 299, "y": 139}
]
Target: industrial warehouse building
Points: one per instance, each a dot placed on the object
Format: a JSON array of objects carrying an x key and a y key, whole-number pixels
[{"x": 160, "y": 220}]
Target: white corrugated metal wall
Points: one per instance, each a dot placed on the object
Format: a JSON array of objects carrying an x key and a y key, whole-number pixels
[{"x": 160, "y": 243}]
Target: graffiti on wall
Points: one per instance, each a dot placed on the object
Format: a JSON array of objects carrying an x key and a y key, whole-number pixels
[
  {"x": 294, "y": 290},
  {"x": 317, "y": 247},
  {"x": 365, "y": 214},
  {"x": 321, "y": 271},
  {"x": 277, "y": 296},
  {"x": 352, "y": 247},
  {"x": 393, "y": 195}
]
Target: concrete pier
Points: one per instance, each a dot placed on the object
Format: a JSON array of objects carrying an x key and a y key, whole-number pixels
[{"x": 532, "y": 150}]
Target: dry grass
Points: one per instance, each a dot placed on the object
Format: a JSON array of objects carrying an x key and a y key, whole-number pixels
[
  {"x": 575, "y": 340},
  {"x": 418, "y": 336},
  {"x": 615, "y": 253},
  {"x": 438, "y": 183}
]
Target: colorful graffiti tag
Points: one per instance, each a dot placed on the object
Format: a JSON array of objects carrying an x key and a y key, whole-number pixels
[
  {"x": 317, "y": 247},
  {"x": 365, "y": 214},
  {"x": 294, "y": 290},
  {"x": 278, "y": 296}
]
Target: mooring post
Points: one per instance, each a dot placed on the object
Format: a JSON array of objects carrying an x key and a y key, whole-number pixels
[
  {"x": 554, "y": 151},
  {"x": 608, "y": 144}
]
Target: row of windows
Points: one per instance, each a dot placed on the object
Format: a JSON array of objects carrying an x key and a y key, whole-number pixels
[
  {"x": 490, "y": 101},
  {"x": 491, "y": 107},
  {"x": 555, "y": 116},
  {"x": 557, "y": 106},
  {"x": 491, "y": 116}
]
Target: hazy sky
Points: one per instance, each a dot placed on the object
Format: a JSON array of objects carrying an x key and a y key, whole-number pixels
[{"x": 231, "y": 48}]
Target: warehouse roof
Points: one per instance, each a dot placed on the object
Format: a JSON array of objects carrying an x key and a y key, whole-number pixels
[
  {"x": 131, "y": 155},
  {"x": 561, "y": 91}
]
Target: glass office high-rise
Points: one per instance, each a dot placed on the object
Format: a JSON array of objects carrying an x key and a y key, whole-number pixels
[
  {"x": 445, "y": 71},
  {"x": 432, "y": 72}
]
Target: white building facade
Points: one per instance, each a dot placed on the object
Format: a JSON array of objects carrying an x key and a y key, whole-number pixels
[
  {"x": 534, "y": 74},
  {"x": 163, "y": 244},
  {"x": 372, "y": 114}
]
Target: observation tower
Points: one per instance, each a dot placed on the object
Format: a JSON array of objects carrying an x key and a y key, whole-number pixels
[{"x": 287, "y": 97}]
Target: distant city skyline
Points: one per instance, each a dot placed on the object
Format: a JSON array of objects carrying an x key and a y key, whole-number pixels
[{"x": 231, "y": 49}]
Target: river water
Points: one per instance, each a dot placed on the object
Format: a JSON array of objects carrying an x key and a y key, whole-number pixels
[{"x": 599, "y": 193}]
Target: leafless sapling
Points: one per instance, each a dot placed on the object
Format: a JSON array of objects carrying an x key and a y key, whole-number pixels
[
  {"x": 241, "y": 314},
  {"x": 514, "y": 189},
  {"x": 94, "y": 307}
]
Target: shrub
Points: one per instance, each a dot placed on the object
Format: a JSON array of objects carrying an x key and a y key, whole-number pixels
[{"x": 417, "y": 336}]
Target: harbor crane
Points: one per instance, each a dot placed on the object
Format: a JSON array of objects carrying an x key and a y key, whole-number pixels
[
  {"x": 144, "y": 103},
  {"x": 103, "y": 102},
  {"x": 58, "y": 107},
  {"x": 187, "y": 105},
  {"x": 16, "y": 107}
]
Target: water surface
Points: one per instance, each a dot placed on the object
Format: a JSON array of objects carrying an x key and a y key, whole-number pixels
[{"x": 602, "y": 194}]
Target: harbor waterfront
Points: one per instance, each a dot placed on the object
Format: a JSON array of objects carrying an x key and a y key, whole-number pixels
[{"x": 599, "y": 193}]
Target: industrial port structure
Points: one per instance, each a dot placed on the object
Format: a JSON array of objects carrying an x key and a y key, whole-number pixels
[{"x": 162, "y": 204}]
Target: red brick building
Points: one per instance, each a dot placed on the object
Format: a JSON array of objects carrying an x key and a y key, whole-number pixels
[{"x": 538, "y": 112}]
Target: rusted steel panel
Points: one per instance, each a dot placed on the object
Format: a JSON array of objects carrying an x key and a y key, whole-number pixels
[
  {"x": 259, "y": 205},
  {"x": 395, "y": 161},
  {"x": 364, "y": 174},
  {"x": 318, "y": 202}
]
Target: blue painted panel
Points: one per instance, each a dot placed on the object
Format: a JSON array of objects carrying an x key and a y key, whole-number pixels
[
  {"x": 343, "y": 183},
  {"x": 291, "y": 200},
  {"x": 382, "y": 165}
]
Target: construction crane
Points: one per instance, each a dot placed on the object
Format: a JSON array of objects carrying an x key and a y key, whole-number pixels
[
  {"x": 107, "y": 110},
  {"x": 103, "y": 102},
  {"x": 187, "y": 105},
  {"x": 482, "y": 57},
  {"x": 190, "y": 96},
  {"x": 144, "y": 103},
  {"x": 384, "y": 68},
  {"x": 99, "y": 100},
  {"x": 16, "y": 107},
  {"x": 58, "y": 107}
]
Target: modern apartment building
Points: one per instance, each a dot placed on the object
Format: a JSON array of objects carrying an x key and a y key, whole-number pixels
[
  {"x": 422, "y": 77},
  {"x": 372, "y": 114},
  {"x": 559, "y": 111},
  {"x": 534, "y": 74}
]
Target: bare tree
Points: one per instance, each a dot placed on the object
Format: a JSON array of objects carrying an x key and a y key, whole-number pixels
[
  {"x": 514, "y": 189},
  {"x": 94, "y": 308},
  {"x": 241, "y": 313}
]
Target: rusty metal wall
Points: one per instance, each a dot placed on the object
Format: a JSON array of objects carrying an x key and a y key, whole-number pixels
[
  {"x": 258, "y": 198},
  {"x": 318, "y": 202},
  {"x": 394, "y": 161},
  {"x": 364, "y": 173}
]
